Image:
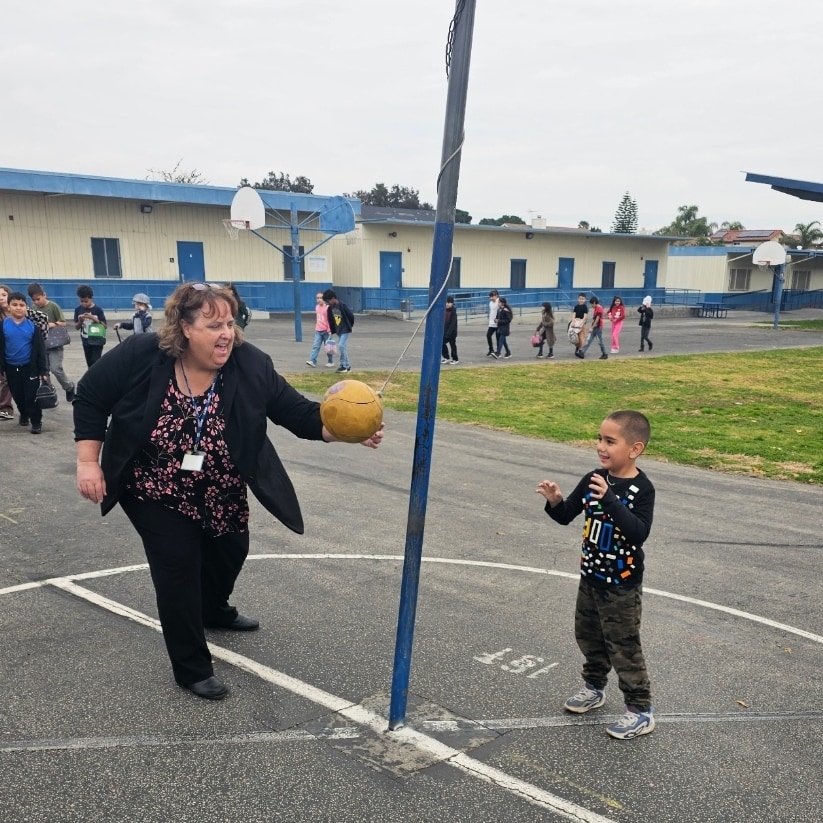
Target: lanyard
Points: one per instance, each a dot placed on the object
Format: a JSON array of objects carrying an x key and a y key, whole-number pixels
[{"x": 201, "y": 413}]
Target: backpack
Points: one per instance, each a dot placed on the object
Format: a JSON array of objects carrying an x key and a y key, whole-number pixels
[
  {"x": 40, "y": 320},
  {"x": 96, "y": 334},
  {"x": 574, "y": 330}
]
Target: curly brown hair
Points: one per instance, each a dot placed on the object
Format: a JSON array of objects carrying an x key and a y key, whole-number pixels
[{"x": 184, "y": 304}]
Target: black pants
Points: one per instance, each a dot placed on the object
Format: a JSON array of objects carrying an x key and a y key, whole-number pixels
[
  {"x": 449, "y": 350},
  {"x": 491, "y": 333},
  {"x": 92, "y": 353},
  {"x": 23, "y": 387},
  {"x": 193, "y": 575},
  {"x": 644, "y": 337}
]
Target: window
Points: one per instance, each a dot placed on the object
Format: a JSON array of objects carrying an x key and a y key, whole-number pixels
[
  {"x": 287, "y": 264},
  {"x": 518, "y": 275},
  {"x": 454, "y": 274},
  {"x": 801, "y": 280},
  {"x": 105, "y": 257},
  {"x": 739, "y": 279}
]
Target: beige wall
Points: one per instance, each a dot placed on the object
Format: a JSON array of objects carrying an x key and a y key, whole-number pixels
[
  {"x": 50, "y": 238},
  {"x": 486, "y": 256}
]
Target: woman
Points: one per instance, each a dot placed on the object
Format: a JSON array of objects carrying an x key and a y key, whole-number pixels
[
  {"x": 617, "y": 314},
  {"x": 504, "y": 319},
  {"x": 186, "y": 412},
  {"x": 545, "y": 328}
]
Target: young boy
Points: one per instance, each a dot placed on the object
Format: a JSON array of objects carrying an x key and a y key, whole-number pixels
[
  {"x": 341, "y": 323},
  {"x": 448, "y": 353},
  {"x": 618, "y": 502},
  {"x": 23, "y": 360},
  {"x": 596, "y": 331},
  {"x": 140, "y": 322},
  {"x": 55, "y": 317},
  {"x": 84, "y": 315}
]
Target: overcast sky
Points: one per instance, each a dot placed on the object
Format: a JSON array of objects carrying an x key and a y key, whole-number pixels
[{"x": 570, "y": 104}]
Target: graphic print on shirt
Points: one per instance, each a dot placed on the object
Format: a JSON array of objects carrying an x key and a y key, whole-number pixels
[{"x": 606, "y": 555}]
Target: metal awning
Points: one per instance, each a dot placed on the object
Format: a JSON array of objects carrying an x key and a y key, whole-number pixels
[{"x": 802, "y": 189}]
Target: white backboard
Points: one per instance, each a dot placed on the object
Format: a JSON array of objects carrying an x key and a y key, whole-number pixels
[
  {"x": 246, "y": 205},
  {"x": 770, "y": 253}
]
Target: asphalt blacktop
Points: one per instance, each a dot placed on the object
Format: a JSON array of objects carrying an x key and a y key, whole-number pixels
[{"x": 93, "y": 728}]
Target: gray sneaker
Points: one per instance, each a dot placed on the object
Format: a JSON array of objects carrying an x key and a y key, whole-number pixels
[
  {"x": 632, "y": 724},
  {"x": 585, "y": 700}
]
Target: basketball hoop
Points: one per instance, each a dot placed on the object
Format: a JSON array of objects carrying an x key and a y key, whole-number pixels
[{"x": 233, "y": 227}]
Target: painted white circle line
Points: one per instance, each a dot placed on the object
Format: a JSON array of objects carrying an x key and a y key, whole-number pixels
[
  {"x": 364, "y": 717},
  {"x": 705, "y": 604}
]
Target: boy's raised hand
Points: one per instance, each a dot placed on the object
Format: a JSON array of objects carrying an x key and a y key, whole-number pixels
[{"x": 551, "y": 491}]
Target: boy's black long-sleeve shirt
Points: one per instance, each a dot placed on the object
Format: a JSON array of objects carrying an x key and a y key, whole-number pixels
[{"x": 614, "y": 530}]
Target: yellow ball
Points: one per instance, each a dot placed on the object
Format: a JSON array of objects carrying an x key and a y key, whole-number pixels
[{"x": 351, "y": 411}]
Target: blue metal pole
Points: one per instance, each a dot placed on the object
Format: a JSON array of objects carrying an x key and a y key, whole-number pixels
[
  {"x": 777, "y": 292},
  {"x": 463, "y": 25},
  {"x": 295, "y": 275}
]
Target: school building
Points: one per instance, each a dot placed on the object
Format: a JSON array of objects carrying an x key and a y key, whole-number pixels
[{"x": 125, "y": 236}]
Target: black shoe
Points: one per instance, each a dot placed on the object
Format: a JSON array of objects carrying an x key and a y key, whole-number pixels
[
  {"x": 495, "y": 355},
  {"x": 651, "y": 345},
  {"x": 23, "y": 421},
  {"x": 239, "y": 624},
  {"x": 604, "y": 356},
  {"x": 580, "y": 355},
  {"x": 70, "y": 395},
  {"x": 640, "y": 349},
  {"x": 36, "y": 428},
  {"x": 211, "y": 688}
]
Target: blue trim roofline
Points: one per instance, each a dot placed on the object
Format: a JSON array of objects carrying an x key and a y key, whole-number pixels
[
  {"x": 150, "y": 191},
  {"x": 802, "y": 189}
]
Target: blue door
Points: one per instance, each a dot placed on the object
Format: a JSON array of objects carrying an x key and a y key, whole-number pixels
[
  {"x": 391, "y": 269},
  {"x": 650, "y": 275},
  {"x": 565, "y": 273},
  {"x": 190, "y": 261}
]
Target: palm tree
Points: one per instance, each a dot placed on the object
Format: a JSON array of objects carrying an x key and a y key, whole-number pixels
[{"x": 808, "y": 233}]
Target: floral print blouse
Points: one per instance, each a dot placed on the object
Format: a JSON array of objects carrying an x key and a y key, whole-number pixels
[{"x": 216, "y": 496}]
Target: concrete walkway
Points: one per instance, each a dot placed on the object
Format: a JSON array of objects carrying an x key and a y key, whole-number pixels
[{"x": 93, "y": 728}]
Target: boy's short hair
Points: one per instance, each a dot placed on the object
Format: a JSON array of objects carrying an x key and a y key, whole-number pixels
[
  {"x": 329, "y": 295},
  {"x": 84, "y": 291},
  {"x": 494, "y": 293},
  {"x": 634, "y": 425},
  {"x": 450, "y": 299},
  {"x": 18, "y": 295},
  {"x": 34, "y": 290}
]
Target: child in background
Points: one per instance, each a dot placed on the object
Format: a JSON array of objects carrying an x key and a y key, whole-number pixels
[
  {"x": 449, "y": 352},
  {"x": 596, "y": 331},
  {"x": 617, "y": 500},
  {"x": 546, "y": 331},
  {"x": 646, "y": 316},
  {"x": 322, "y": 332},
  {"x": 23, "y": 360},
  {"x": 140, "y": 322},
  {"x": 55, "y": 317},
  {"x": 504, "y": 320},
  {"x": 84, "y": 315},
  {"x": 617, "y": 314},
  {"x": 491, "y": 331}
]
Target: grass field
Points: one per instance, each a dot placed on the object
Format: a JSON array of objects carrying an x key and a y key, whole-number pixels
[{"x": 759, "y": 414}]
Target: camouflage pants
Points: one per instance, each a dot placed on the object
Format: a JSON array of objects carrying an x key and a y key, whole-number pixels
[{"x": 607, "y": 629}]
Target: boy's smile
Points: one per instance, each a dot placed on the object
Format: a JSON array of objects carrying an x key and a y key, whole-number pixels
[{"x": 616, "y": 454}]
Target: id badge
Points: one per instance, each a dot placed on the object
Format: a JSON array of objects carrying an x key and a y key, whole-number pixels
[{"x": 192, "y": 462}]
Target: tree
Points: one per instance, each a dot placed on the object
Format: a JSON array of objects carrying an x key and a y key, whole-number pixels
[
  {"x": 688, "y": 225},
  {"x": 282, "y": 182},
  {"x": 808, "y": 234},
  {"x": 499, "y": 221},
  {"x": 397, "y": 197},
  {"x": 461, "y": 216},
  {"x": 625, "y": 218},
  {"x": 178, "y": 175},
  {"x": 734, "y": 225},
  {"x": 585, "y": 226}
]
